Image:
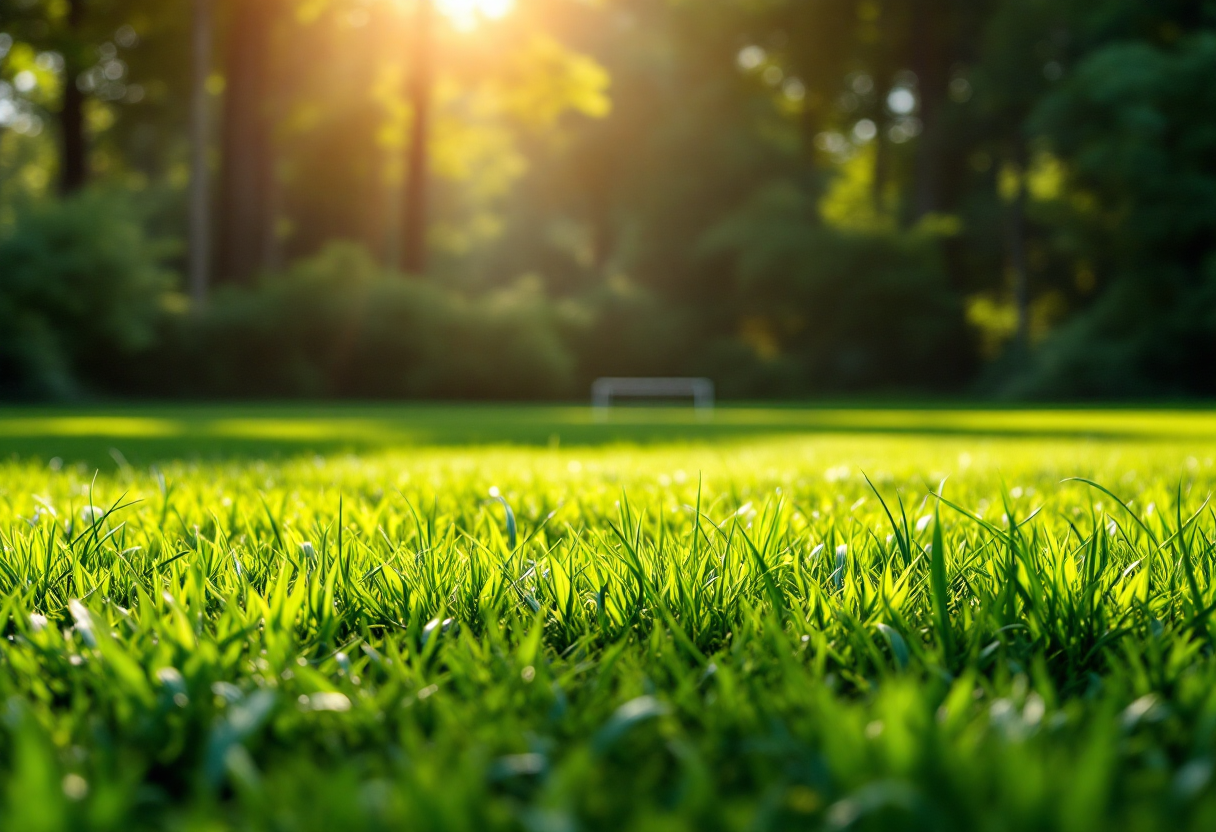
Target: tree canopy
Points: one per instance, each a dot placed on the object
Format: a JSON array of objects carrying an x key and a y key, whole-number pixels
[{"x": 793, "y": 196}]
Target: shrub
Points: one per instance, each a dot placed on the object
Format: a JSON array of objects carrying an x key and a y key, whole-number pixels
[
  {"x": 1136, "y": 124},
  {"x": 825, "y": 309},
  {"x": 338, "y": 325},
  {"x": 81, "y": 290},
  {"x": 622, "y": 329},
  {"x": 1147, "y": 336}
]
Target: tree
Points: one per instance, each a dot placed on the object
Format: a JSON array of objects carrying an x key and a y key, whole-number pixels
[
  {"x": 247, "y": 183},
  {"x": 415, "y": 214},
  {"x": 74, "y": 159},
  {"x": 200, "y": 129},
  {"x": 61, "y": 29},
  {"x": 1136, "y": 125},
  {"x": 1020, "y": 59}
]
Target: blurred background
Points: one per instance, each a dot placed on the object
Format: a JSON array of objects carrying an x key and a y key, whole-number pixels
[{"x": 504, "y": 199}]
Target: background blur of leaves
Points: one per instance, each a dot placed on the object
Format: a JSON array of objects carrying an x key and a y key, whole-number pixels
[{"x": 795, "y": 197}]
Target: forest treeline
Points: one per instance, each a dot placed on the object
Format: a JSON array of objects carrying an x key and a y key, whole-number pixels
[{"x": 508, "y": 198}]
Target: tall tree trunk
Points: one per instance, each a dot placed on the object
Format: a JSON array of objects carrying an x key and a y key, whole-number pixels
[
  {"x": 200, "y": 133},
  {"x": 74, "y": 148},
  {"x": 418, "y": 161},
  {"x": 245, "y": 216},
  {"x": 930, "y": 62}
]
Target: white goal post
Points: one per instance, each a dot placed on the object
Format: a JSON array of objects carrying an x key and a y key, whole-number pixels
[{"x": 605, "y": 390}]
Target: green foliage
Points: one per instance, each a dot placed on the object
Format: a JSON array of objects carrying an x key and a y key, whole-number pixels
[
  {"x": 81, "y": 287},
  {"x": 843, "y": 310},
  {"x": 751, "y": 190},
  {"x": 623, "y": 329},
  {"x": 722, "y": 636},
  {"x": 1139, "y": 123},
  {"x": 340, "y": 325}
]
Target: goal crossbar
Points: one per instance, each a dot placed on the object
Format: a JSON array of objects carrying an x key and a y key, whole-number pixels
[{"x": 605, "y": 390}]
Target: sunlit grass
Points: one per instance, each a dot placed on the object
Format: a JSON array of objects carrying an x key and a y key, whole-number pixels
[
  {"x": 767, "y": 621},
  {"x": 150, "y": 433}
]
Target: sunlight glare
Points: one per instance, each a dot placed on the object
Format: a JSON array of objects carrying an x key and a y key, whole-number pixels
[{"x": 467, "y": 14}]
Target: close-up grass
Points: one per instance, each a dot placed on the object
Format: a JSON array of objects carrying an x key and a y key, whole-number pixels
[{"x": 534, "y": 618}]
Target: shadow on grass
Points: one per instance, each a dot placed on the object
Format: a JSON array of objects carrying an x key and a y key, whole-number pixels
[{"x": 106, "y": 436}]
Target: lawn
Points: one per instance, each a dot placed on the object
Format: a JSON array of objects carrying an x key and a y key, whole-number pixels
[{"x": 531, "y": 618}]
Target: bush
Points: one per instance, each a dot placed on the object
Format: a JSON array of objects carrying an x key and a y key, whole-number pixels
[
  {"x": 622, "y": 329},
  {"x": 1137, "y": 125},
  {"x": 1146, "y": 336},
  {"x": 822, "y": 309},
  {"x": 81, "y": 292},
  {"x": 338, "y": 325},
  {"x": 85, "y": 307}
]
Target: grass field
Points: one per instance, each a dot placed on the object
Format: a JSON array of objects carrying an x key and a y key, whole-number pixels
[{"x": 524, "y": 618}]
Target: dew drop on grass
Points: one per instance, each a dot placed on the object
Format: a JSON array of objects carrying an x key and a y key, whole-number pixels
[
  {"x": 227, "y": 691},
  {"x": 1192, "y": 778},
  {"x": 75, "y": 787},
  {"x": 328, "y": 701},
  {"x": 83, "y": 622},
  {"x": 171, "y": 678}
]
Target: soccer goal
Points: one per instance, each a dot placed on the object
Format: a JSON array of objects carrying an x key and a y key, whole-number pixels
[{"x": 605, "y": 391}]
